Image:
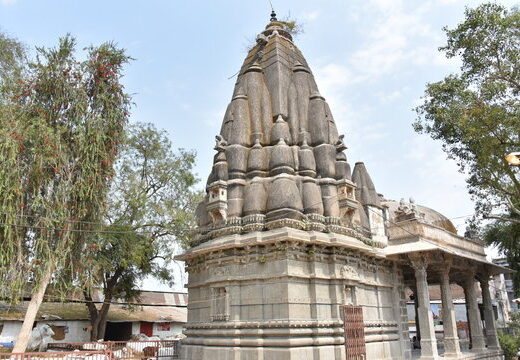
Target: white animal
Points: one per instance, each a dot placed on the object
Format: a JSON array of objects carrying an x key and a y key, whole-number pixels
[
  {"x": 135, "y": 347},
  {"x": 40, "y": 337}
]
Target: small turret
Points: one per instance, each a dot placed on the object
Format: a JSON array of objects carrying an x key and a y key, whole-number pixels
[
  {"x": 216, "y": 204},
  {"x": 367, "y": 195}
]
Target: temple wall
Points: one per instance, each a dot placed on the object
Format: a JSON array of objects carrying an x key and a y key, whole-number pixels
[{"x": 283, "y": 301}]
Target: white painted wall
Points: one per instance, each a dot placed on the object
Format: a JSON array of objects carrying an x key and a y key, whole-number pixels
[
  {"x": 10, "y": 330},
  {"x": 136, "y": 327},
  {"x": 175, "y": 328},
  {"x": 77, "y": 330}
]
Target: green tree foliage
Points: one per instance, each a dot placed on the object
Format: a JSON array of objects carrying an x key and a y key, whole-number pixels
[
  {"x": 61, "y": 126},
  {"x": 510, "y": 342},
  {"x": 12, "y": 57},
  {"x": 476, "y": 113},
  {"x": 506, "y": 237},
  {"x": 151, "y": 208}
]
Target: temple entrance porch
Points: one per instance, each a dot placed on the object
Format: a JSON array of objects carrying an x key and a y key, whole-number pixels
[{"x": 423, "y": 268}]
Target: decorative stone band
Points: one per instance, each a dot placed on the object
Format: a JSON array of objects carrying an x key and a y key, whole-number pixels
[
  {"x": 257, "y": 222},
  {"x": 285, "y": 332},
  {"x": 273, "y": 324}
]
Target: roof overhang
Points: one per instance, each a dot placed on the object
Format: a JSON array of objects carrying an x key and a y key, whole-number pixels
[{"x": 423, "y": 245}]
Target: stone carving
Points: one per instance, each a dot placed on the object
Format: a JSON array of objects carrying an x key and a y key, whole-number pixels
[
  {"x": 221, "y": 143},
  {"x": 348, "y": 272},
  {"x": 406, "y": 211},
  {"x": 340, "y": 145}
]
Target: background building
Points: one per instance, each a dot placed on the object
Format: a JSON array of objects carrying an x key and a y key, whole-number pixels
[{"x": 160, "y": 314}]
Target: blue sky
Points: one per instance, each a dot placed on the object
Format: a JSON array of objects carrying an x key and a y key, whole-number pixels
[{"x": 371, "y": 60}]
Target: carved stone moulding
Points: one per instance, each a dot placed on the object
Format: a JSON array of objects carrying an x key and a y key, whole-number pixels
[
  {"x": 268, "y": 324},
  {"x": 259, "y": 222}
]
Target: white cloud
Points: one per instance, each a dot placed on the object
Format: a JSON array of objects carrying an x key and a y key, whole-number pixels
[
  {"x": 8, "y": 2},
  {"x": 391, "y": 96},
  {"x": 310, "y": 15},
  {"x": 442, "y": 186}
]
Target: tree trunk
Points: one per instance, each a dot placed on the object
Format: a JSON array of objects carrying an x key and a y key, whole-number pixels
[
  {"x": 102, "y": 326},
  {"x": 93, "y": 313},
  {"x": 34, "y": 305},
  {"x": 103, "y": 313},
  {"x": 98, "y": 318}
]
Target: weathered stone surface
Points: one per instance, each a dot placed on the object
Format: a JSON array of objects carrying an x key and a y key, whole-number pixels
[
  {"x": 312, "y": 199},
  {"x": 258, "y": 161},
  {"x": 280, "y": 130},
  {"x": 282, "y": 159},
  {"x": 307, "y": 162},
  {"x": 325, "y": 155},
  {"x": 366, "y": 191},
  {"x": 237, "y": 160},
  {"x": 255, "y": 198},
  {"x": 287, "y": 235},
  {"x": 284, "y": 200}
]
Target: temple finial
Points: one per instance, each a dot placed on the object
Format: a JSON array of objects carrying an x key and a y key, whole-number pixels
[{"x": 273, "y": 14}]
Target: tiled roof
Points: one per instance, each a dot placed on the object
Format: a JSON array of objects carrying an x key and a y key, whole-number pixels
[
  {"x": 158, "y": 298},
  {"x": 78, "y": 311}
]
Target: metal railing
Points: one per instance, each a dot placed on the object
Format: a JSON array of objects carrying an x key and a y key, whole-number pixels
[
  {"x": 67, "y": 355},
  {"x": 103, "y": 350}
]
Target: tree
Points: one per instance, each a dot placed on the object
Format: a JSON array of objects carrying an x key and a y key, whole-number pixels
[
  {"x": 476, "y": 113},
  {"x": 506, "y": 237},
  {"x": 61, "y": 125},
  {"x": 12, "y": 57},
  {"x": 151, "y": 207}
]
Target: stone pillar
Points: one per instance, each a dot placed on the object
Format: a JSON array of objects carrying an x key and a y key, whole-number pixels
[
  {"x": 449, "y": 324},
  {"x": 475, "y": 322},
  {"x": 415, "y": 307},
  {"x": 489, "y": 318},
  {"x": 428, "y": 341}
]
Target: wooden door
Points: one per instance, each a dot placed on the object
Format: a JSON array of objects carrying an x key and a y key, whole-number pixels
[
  {"x": 354, "y": 332},
  {"x": 146, "y": 328}
]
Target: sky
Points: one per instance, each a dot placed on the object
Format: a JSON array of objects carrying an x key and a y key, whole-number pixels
[{"x": 371, "y": 59}]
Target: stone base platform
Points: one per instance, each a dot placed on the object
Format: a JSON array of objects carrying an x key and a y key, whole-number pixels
[
  {"x": 468, "y": 355},
  {"x": 191, "y": 352}
]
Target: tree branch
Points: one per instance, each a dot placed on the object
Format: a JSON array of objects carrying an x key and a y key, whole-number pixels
[{"x": 502, "y": 218}]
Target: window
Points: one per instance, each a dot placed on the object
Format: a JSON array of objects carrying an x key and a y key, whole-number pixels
[
  {"x": 163, "y": 326},
  {"x": 59, "y": 332}
]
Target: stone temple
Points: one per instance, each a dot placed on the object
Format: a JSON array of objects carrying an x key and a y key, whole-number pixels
[{"x": 296, "y": 256}]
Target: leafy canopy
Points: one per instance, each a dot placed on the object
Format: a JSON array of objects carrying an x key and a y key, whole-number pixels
[
  {"x": 476, "y": 113},
  {"x": 506, "y": 237},
  {"x": 61, "y": 125},
  {"x": 150, "y": 212}
]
